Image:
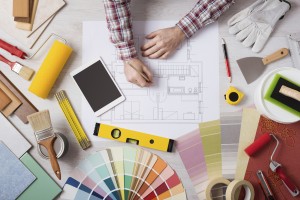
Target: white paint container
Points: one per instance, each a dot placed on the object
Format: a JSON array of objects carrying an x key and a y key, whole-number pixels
[
  {"x": 269, "y": 109},
  {"x": 61, "y": 146}
]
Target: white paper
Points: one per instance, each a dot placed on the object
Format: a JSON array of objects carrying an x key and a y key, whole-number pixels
[
  {"x": 184, "y": 92},
  {"x": 12, "y": 138}
]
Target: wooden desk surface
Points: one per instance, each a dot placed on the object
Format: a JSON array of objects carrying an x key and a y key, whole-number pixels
[{"x": 68, "y": 23}]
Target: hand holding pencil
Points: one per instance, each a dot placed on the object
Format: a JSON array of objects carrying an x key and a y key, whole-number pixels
[{"x": 137, "y": 72}]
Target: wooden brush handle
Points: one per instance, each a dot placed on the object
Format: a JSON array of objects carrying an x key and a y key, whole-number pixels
[
  {"x": 281, "y": 53},
  {"x": 3, "y": 59},
  {"x": 289, "y": 92},
  {"x": 48, "y": 144}
]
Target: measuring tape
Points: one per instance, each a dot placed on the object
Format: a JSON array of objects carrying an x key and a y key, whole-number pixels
[
  {"x": 72, "y": 119},
  {"x": 233, "y": 96},
  {"x": 232, "y": 188}
]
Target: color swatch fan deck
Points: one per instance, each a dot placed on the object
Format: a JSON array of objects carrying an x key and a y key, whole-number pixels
[{"x": 123, "y": 173}]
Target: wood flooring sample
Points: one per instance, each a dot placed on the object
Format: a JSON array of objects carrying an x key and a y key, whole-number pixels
[
  {"x": 21, "y": 8},
  {"x": 16, "y": 103},
  {"x": 26, "y": 19},
  {"x": 27, "y": 108},
  {"x": 28, "y": 26},
  {"x": 4, "y": 100}
]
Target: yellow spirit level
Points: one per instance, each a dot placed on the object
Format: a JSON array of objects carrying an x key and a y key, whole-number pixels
[{"x": 133, "y": 137}]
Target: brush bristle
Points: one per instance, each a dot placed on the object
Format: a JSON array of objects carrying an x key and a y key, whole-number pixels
[
  {"x": 40, "y": 121},
  {"x": 26, "y": 73}
]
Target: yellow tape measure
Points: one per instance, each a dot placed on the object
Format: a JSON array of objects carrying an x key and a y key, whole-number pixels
[
  {"x": 133, "y": 137},
  {"x": 233, "y": 96},
  {"x": 72, "y": 119}
]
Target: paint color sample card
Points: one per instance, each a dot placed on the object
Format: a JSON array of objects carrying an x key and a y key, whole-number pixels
[
  {"x": 43, "y": 187},
  {"x": 123, "y": 173},
  {"x": 12, "y": 137},
  {"x": 188, "y": 145},
  {"x": 249, "y": 125},
  {"x": 211, "y": 140},
  {"x": 230, "y": 135},
  {"x": 15, "y": 177}
]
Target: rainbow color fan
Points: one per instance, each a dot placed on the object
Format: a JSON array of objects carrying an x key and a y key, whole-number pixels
[{"x": 123, "y": 173}]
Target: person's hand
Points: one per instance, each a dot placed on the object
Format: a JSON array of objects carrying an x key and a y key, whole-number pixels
[
  {"x": 137, "y": 72},
  {"x": 163, "y": 42}
]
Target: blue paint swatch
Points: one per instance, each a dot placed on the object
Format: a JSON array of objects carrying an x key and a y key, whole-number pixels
[{"x": 15, "y": 177}]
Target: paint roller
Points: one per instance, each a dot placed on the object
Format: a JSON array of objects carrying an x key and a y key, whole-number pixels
[
  {"x": 258, "y": 144},
  {"x": 274, "y": 166},
  {"x": 51, "y": 67}
]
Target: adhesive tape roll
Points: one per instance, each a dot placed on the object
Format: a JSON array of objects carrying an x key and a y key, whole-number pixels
[
  {"x": 213, "y": 183},
  {"x": 234, "y": 186},
  {"x": 50, "y": 69}
]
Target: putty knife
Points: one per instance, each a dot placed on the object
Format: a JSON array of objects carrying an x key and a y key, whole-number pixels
[{"x": 253, "y": 67}]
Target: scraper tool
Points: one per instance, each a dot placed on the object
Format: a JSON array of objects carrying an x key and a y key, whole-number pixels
[{"x": 253, "y": 67}]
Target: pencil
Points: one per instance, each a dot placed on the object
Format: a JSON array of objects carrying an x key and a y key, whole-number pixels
[
  {"x": 226, "y": 60},
  {"x": 140, "y": 73}
]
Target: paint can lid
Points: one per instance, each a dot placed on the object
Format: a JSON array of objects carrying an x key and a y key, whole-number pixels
[{"x": 60, "y": 147}]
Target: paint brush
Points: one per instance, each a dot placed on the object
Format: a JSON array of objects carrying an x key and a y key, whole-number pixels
[
  {"x": 45, "y": 136},
  {"x": 23, "y": 71}
]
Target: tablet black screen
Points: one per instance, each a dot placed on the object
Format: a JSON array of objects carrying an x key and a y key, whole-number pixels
[{"x": 97, "y": 86}]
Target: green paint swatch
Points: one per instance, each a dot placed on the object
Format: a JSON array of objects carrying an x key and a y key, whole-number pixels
[
  {"x": 211, "y": 139},
  {"x": 43, "y": 187},
  {"x": 129, "y": 159}
]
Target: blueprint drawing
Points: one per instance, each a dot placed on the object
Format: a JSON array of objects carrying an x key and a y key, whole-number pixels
[
  {"x": 179, "y": 82},
  {"x": 185, "y": 86}
]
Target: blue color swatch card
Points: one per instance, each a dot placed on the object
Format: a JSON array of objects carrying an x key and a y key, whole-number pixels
[{"x": 15, "y": 177}]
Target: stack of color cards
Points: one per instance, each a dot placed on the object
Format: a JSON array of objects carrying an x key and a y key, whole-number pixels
[{"x": 123, "y": 173}]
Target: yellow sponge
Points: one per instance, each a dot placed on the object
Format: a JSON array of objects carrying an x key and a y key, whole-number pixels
[{"x": 50, "y": 69}]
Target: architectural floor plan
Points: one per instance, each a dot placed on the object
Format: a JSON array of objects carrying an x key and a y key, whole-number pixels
[
  {"x": 185, "y": 86},
  {"x": 178, "y": 82}
]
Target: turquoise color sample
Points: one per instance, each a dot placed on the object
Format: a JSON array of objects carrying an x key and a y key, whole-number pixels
[
  {"x": 129, "y": 159},
  {"x": 43, "y": 187}
]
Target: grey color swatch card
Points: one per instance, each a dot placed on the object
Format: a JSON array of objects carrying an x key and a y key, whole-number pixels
[
  {"x": 15, "y": 177},
  {"x": 12, "y": 138},
  {"x": 230, "y": 134}
]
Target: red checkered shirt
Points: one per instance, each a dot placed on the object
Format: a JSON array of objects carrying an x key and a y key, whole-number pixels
[{"x": 119, "y": 22}]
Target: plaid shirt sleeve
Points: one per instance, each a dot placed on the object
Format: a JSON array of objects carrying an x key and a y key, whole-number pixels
[
  {"x": 119, "y": 23},
  {"x": 204, "y": 13}
]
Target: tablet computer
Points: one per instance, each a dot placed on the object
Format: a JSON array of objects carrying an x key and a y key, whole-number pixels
[{"x": 98, "y": 86}]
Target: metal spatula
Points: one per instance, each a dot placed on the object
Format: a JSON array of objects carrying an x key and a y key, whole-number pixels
[{"x": 253, "y": 67}]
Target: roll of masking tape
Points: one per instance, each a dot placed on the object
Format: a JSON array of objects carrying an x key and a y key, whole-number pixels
[
  {"x": 50, "y": 69},
  {"x": 214, "y": 185},
  {"x": 234, "y": 188}
]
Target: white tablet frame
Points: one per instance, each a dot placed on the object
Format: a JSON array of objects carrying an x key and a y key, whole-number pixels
[{"x": 111, "y": 104}]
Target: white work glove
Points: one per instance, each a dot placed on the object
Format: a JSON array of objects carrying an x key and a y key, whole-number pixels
[{"x": 254, "y": 25}]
